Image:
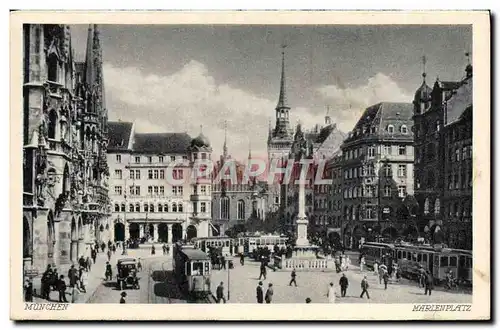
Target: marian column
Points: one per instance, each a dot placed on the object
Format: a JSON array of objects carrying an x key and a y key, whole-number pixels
[{"x": 302, "y": 221}]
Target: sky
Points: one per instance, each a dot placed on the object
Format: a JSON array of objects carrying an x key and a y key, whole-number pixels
[{"x": 168, "y": 78}]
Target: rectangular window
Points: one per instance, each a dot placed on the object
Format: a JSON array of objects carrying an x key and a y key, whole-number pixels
[
  {"x": 369, "y": 212},
  {"x": 184, "y": 157},
  {"x": 368, "y": 191},
  {"x": 150, "y": 190},
  {"x": 132, "y": 174},
  {"x": 203, "y": 207},
  {"x": 160, "y": 159},
  {"x": 118, "y": 190},
  {"x": 118, "y": 174},
  {"x": 118, "y": 158},
  {"x": 371, "y": 151},
  {"x": 443, "y": 262},
  {"x": 402, "y": 171},
  {"x": 174, "y": 190},
  {"x": 172, "y": 158},
  {"x": 162, "y": 174},
  {"x": 132, "y": 190},
  {"x": 370, "y": 170},
  {"x": 137, "y": 190},
  {"x": 180, "y": 190},
  {"x": 162, "y": 190},
  {"x": 402, "y": 150},
  {"x": 150, "y": 174},
  {"x": 155, "y": 174},
  {"x": 387, "y": 149},
  {"x": 387, "y": 191},
  {"x": 464, "y": 153},
  {"x": 155, "y": 190},
  {"x": 137, "y": 159},
  {"x": 203, "y": 190},
  {"x": 387, "y": 170},
  {"x": 150, "y": 159},
  {"x": 457, "y": 155},
  {"x": 402, "y": 191},
  {"x": 137, "y": 174}
]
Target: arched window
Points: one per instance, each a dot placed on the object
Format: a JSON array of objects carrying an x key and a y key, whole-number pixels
[
  {"x": 390, "y": 129},
  {"x": 146, "y": 206},
  {"x": 117, "y": 207},
  {"x": 179, "y": 207},
  {"x": 160, "y": 208},
  {"x": 224, "y": 207},
  {"x": 52, "y": 124},
  {"x": 131, "y": 208},
  {"x": 241, "y": 210},
  {"x": 165, "y": 207},
  {"x": 151, "y": 208},
  {"x": 404, "y": 129},
  {"x": 52, "y": 68},
  {"x": 174, "y": 207},
  {"x": 123, "y": 207},
  {"x": 437, "y": 206},
  {"x": 137, "y": 207},
  {"x": 426, "y": 206}
]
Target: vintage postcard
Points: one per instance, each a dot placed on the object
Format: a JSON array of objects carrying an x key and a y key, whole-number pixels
[{"x": 257, "y": 165}]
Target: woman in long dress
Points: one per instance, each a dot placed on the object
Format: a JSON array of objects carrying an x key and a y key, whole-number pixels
[
  {"x": 331, "y": 294},
  {"x": 375, "y": 268}
]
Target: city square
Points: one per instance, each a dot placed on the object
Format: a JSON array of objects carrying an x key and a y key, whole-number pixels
[{"x": 155, "y": 187}]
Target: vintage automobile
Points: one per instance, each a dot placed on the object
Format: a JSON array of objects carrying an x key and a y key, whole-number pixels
[{"x": 126, "y": 274}]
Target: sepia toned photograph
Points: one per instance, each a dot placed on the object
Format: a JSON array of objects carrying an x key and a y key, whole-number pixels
[{"x": 194, "y": 160}]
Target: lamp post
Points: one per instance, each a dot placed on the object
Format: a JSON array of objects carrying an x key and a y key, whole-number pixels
[{"x": 228, "y": 282}]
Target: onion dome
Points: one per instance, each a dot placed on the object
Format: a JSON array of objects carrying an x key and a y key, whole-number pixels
[{"x": 201, "y": 141}]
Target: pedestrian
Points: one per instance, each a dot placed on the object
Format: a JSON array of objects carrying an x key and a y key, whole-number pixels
[
  {"x": 139, "y": 265},
  {"x": 344, "y": 283},
  {"x": 109, "y": 255},
  {"x": 362, "y": 263},
  {"x": 331, "y": 293},
  {"x": 122, "y": 298},
  {"x": 84, "y": 278},
  {"x": 93, "y": 254},
  {"x": 375, "y": 268},
  {"x": 114, "y": 248},
  {"x": 381, "y": 272},
  {"x": 429, "y": 283},
  {"x": 73, "y": 276},
  {"x": 348, "y": 262},
  {"x": 164, "y": 248},
  {"x": 386, "y": 279},
  {"x": 74, "y": 294},
  {"x": 103, "y": 246},
  {"x": 364, "y": 288},
  {"x": 46, "y": 280},
  {"x": 260, "y": 294},
  {"x": 81, "y": 262},
  {"x": 293, "y": 277},
  {"x": 263, "y": 270},
  {"x": 220, "y": 293},
  {"x": 308, "y": 300},
  {"x": 108, "y": 273},
  {"x": 269, "y": 293},
  {"x": 242, "y": 259},
  {"x": 61, "y": 288},
  {"x": 28, "y": 290},
  {"x": 223, "y": 261},
  {"x": 153, "y": 250}
]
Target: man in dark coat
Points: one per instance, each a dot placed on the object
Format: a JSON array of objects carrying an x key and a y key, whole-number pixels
[
  {"x": 364, "y": 288},
  {"x": 93, "y": 254},
  {"x": 61, "y": 288},
  {"x": 263, "y": 270},
  {"x": 242, "y": 259},
  {"x": 28, "y": 290},
  {"x": 293, "y": 276},
  {"x": 220, "y": 293},
  {"x": 73, "y": 276},
  {"x": 269, "y": 294},
  {"x": 260, "y": 294},
  {"x": 429, "y": 283},
  {"x": 46, "y": 281},
  {"x": 344, "y": 283}
]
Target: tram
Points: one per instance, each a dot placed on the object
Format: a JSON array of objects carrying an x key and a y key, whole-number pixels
[
  {"x": 248, "y": 244},
  {"x": 192, "y": 270},
  {"x": 437, "y": 259},
  {"x": 225, "y": 244},
  {"x": 379, "y": 252}
]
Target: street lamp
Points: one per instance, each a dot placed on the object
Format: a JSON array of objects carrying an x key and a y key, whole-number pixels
[{"x": 228, "y": 281}]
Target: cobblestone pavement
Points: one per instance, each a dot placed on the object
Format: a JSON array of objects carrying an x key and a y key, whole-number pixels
[{"x": 244, "y": 279}]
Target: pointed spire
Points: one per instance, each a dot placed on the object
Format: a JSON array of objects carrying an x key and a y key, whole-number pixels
[
  {"x": 282, "y": 101},
  {"x": 424, "y": 62},
  {"x": 250, "y": 149},
  {"x": 224, "y": 148}
]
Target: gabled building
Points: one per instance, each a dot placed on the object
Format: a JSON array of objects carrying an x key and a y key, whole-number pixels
[
  {"x": 151, "y": 187},
  {"x": 378, "y": 174}
]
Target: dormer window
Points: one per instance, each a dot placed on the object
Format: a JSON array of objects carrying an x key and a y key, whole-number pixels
[
  {"x": 404, "y": 129},
  {"x": 390, "y": 129}
]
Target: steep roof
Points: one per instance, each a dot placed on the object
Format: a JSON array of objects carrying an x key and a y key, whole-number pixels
[
  {"x": 161, "y": 143},
  {"x": 119, "y": 135},
  {"x": 459, "y": 102}
]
